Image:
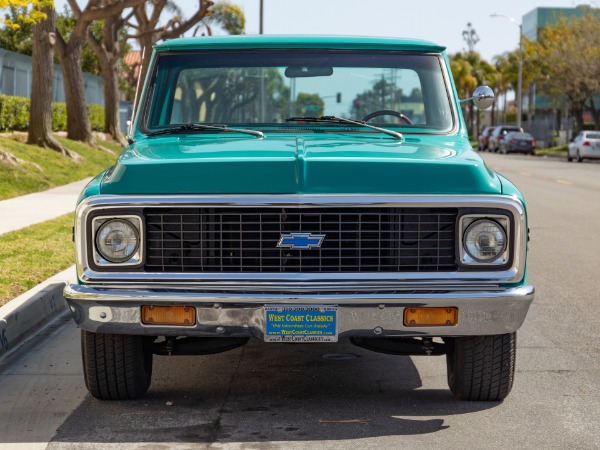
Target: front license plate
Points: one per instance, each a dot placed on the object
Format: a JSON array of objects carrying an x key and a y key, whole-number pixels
[{"x": 306, "y": 323}]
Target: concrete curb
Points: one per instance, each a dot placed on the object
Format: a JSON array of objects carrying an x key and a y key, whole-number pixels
[{"x": 33, "y": 310}]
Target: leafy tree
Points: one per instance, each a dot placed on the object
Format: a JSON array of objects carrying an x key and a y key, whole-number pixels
[
  {"x": 225, "y": 15},
  {"x": 469, "y": 71},
  {"x": 17, "y": 38},
  {"x": 40, "y": 15},
  {"x": 70, "y": 49},
  {"x": 30, "y": 11},
  {"x": 462, "y": 72},
  {"x": 569, "y": 60},
  {"x": 504, "y": 81},
  {"x": 65, "y": 24},
  {"x": 309, "y": 105},
  {"x": 109, "y": 47},
  {"x": 148, "y": 30},
  {"x": 383, "y": 95},
  {"x": 507, "y": 66}
]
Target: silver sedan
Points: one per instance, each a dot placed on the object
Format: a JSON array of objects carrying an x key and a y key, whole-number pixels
[{"x": 585, "y": 145}]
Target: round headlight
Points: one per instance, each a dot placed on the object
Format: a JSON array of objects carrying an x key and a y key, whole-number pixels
[
  {"x": 485, "y": 240},
  {"x": 117, "y": 240}
]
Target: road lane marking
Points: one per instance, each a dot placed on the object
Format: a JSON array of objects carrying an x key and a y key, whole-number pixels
[{"x": 565, "y": 182}]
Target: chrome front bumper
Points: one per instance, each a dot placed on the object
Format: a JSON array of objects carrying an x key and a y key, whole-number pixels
[{"x": 230, "y": 314}]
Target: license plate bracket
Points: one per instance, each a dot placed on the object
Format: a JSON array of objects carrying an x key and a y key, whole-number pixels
[{"x": 301, "y": 323}]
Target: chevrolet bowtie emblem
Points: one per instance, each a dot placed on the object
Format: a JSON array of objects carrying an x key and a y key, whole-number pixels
[{"x": 300, "y": 241}]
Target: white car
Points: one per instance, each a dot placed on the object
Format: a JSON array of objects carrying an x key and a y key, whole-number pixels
[{"x": 585, "y": 145}]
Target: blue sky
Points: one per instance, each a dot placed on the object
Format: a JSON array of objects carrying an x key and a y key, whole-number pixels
[{"x": 441, "y": 21}]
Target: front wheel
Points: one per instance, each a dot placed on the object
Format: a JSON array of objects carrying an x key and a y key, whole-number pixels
[
  {"x": 481, "y": 368},
  {"x": 116, "y": 366}
]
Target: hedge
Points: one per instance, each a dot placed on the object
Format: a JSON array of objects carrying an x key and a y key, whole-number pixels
[{"x": 14, "y": 114}]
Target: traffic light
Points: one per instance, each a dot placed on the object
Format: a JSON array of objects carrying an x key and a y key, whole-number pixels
[{"x": 338, "y": 97}]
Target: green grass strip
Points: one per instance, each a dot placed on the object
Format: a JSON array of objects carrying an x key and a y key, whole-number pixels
[
  {"x": 561, "y": 150},
  {"x": 43, "y": 169},
  {"x": 33, "y": 254}
]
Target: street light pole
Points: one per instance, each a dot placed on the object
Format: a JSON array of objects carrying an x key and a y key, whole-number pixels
[
  {"x": 262, "y": 8},
  {"x": 519, "y": 94},
  {"x": 520, "y": 79}
]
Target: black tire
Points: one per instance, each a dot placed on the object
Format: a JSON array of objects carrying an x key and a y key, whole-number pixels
[
  {"x": 579, "y": 158},
  {"x": 569, "y": 157},
  {"x": 482, "y": 368},
  {"x": 116, "y": 366}
]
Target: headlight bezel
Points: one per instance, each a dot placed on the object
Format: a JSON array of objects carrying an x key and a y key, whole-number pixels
[
  {"x": 99, "y": 260},
  {"x": 505, "y": 260}
]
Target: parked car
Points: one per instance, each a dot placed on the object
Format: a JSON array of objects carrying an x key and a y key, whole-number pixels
[
  {"x": 230, "y": 218},
  {"x": 484, "y": 138},
  {"x": 585, "y": 145},
  {"x": 518, "y": 142},
  {"x": 499, "y": 134}
]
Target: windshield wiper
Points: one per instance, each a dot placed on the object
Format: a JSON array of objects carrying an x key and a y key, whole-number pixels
[
  {"x": 334, "y": 119},
  {"x": 202, "y": 127}
]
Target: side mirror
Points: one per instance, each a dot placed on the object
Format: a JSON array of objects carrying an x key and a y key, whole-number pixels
[{"x": 483, "y": 97}]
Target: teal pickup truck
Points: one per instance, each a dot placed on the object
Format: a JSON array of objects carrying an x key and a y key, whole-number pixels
[{"x": 300, "y": 189}]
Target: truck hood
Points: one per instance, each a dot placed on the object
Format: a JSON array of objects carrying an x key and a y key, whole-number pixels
[{"x": 325, "y": 164}]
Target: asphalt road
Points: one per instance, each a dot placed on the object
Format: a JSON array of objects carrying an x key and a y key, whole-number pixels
[{"x": 327, "y": 396}]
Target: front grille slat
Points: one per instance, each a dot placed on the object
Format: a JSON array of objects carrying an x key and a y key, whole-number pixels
[{"x": 244, "y": 239}]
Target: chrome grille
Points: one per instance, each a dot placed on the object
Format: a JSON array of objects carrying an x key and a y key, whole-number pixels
[{"x": 235, "y": 239}]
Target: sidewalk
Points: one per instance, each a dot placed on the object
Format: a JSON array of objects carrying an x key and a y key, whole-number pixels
[
  {"x": 20, "y": 212},
  {"x": 38, "y": 307}
]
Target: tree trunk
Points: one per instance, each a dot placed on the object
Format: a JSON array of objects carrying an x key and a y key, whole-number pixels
[
  {"x": 578, "y": 114},
  {"x": 109, "y": 55},
  {"x": 78, "y": 120},
  {"x": 40, "y": 119},
  {"x": 530, "y": 106}
]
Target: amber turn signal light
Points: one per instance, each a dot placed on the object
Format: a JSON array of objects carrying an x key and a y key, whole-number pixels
[
  {"x": 430, "y": 317},
  {"x": 168, "y": 315}
]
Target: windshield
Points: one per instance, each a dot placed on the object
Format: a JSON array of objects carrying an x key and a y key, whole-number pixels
[{"x": 261, "y": 89}]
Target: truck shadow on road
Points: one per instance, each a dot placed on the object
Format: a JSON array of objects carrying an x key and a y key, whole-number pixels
[{"x": 271, "y": 393}]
